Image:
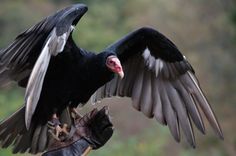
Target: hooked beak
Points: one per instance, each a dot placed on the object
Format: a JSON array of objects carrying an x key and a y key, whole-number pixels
[
  {"x": 121, "y": 74},
  {"x": 113, "y": 63}
]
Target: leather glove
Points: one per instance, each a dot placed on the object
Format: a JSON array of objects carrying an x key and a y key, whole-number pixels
[{"x": 93, "y": 130}]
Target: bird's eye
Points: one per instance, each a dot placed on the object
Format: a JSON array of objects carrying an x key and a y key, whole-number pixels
[{"x": 111, "y": 62}]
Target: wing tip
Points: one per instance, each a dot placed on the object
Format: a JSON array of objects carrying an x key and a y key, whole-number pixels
[
  {"x": 221, "y": 137},
  {"x": 220, "y": 134},
  {"x": 193, "y": 145},
  {"x": 202, "y": 129},
  {"x": 27, "y": 125},
  {"x": 177, "y": 138},
  {"x": 27, "y": 121}
]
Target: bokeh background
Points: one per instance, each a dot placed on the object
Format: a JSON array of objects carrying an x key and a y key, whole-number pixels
[{"x": 203, "y": 30}]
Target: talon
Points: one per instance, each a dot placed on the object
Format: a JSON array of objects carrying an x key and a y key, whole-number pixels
[
  {"x": 55, "y": 129},
  {"x": 58, "y": 130},
  {"x": 59, "y": 133},
  {"x": 54, "y": 135},
  {"x": 65, "y": 129}
]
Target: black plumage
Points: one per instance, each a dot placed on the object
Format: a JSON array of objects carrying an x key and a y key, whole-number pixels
[{"x": 57, "y": 73}]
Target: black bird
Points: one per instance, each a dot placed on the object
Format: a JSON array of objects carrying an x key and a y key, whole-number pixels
[{"x": 144, "y": 65}]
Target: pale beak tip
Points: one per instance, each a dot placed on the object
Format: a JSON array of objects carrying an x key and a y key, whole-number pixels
[{"x": 121, "y": 74}]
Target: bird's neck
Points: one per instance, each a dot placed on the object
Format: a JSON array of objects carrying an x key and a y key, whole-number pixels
[{"x": 100, "y": 71}]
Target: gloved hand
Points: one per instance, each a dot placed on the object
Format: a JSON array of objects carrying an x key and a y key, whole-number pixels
[{"x": 93, "y": 130}]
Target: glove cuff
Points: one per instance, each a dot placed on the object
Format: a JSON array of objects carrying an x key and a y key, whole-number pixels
[{"x": 75, "y": 149}]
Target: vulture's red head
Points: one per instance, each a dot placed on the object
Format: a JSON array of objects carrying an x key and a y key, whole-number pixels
[{"x": 113, "y": 63}]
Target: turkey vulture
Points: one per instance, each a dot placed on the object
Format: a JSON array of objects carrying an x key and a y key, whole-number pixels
[{"x": 144, "y": 65}]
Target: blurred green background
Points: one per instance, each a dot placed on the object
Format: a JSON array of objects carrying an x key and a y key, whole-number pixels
[{"x": 203, "y": 30}]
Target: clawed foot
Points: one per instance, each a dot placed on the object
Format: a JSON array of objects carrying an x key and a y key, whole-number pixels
[{"x": 59, "y": 133}]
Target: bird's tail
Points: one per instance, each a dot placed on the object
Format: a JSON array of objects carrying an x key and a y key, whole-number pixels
[{"x": 13, "y": 132}]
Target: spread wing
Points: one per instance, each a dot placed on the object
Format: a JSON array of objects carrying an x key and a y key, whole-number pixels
[
  {"x": 161, "y": 83},
  {"x": 27, "y": 58}
]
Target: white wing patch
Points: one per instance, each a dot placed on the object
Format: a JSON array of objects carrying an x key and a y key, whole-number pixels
[
  {"x": 54, "y": 45},
  {"x": 61, "y": 42},
  {"x": 35, "y": 83},
  {"x": 152, "y": 63}
]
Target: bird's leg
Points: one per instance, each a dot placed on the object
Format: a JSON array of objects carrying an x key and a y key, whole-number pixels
[
  {"x": 75, "y": 114},
  {"x": 55, "y": 128}
]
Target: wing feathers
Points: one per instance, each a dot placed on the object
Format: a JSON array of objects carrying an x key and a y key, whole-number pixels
[
  {"x": 137, "y": 88},
  {"x": 205, "y": 106},
  {"x": 182, "y": 113},
  {"x": 127, "y": 82},
  {"x": 170, "y": 93},
  {"x": 42, "y": 140},
  {"x": 190, "y": 105},
  {"x": 113, "y": 86},
  {"x": 35, "y": 83},
  {"x": 146, "y": 95},
  {"x": 171, "y": 71},
  {"x": 35, "y": 139},
  {"x": 156, "y": 99},
  {"x": 165, "y": 73},
  {"x": 54, "y": 45},
  {"x": 29, "y": 56},
  {"x": 161, "y": 83},
  {"x": 123, "y": 85},
  {"x": 169, "y": 113}
]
